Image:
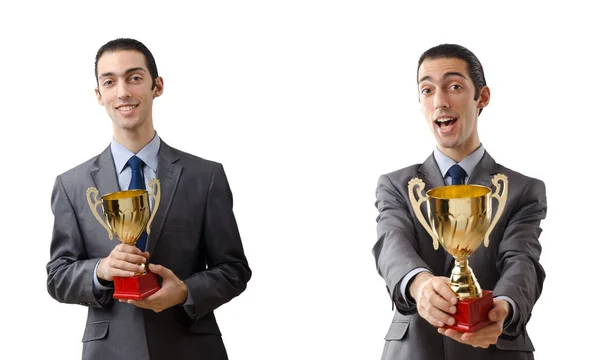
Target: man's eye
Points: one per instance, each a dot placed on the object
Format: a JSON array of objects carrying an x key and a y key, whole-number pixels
[
  {"x": 136, "y": 78},
  {"x": 107, "y": 82},
  {"x": 425, "y": 91},
  {"x": 455, "y": 87}
]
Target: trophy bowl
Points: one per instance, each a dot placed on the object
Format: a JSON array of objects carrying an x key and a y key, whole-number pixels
[{"x": 126, "y": 213}]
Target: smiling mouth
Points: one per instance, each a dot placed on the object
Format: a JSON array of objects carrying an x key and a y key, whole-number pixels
[
  {"x": 126, "y": 107},
  {"x": 443, "y": 122}
]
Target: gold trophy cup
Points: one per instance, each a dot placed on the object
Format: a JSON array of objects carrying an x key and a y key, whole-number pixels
[
  {"x": 126, "y": 216},
  {"x": 461, "y": 218}
]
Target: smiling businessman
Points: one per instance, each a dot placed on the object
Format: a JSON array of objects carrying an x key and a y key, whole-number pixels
[{"x": 194, "y": 245}]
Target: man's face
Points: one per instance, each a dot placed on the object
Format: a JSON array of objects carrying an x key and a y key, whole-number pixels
[
  {"x": 125, "y": 89},
  {"x": 446, "y": 93}
]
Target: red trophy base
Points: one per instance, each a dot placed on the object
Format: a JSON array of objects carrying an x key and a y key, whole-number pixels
[
  {"x": 472, "y": 315},
  {"x": 135, "y": 287}
]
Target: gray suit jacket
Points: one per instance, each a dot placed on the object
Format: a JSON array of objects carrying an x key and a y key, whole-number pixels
[
  {"x": 194, "y": 234},
  {"x": 509, "y": 266}
]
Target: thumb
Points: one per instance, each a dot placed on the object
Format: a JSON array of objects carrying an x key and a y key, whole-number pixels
[
  {"x": 158, "y": 269},
  {"x": 497, "y": 313},
  {"x": 494, "y": 314}
]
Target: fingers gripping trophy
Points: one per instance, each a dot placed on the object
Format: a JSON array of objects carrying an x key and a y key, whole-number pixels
[
  {"x": 126, "y": 216},
  {"x": 460, "y": 218}
]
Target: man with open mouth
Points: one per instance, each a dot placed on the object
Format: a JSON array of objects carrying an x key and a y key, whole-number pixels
[{"x": 453, "y": 93}]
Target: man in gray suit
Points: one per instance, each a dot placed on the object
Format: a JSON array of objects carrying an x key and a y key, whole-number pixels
[
  {"x": 194, "y": 245},
  {"x": 453, "y": 92}
]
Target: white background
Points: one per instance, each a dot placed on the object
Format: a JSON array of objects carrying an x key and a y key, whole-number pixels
[{"x": 305, "y": 103}]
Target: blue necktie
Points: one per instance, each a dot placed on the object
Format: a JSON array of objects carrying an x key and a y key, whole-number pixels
[
  {"x": 137, "y": 183},
  {"x": 457, "y": 174}
]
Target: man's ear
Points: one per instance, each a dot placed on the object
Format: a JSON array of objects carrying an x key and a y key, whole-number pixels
[
  {"x": 484, "y": 97},
  {"x": 99, "y": 97},
  {"x": 158, "y": 87}
]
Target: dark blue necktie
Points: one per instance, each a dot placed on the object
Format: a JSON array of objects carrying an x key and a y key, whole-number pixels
[
  {"x": 457, "y": 174},
  {"x": 137, "y": 183}
]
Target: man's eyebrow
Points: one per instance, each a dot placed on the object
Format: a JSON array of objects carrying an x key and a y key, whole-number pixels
[
  {"x": 126, "y": 71},
  {"x": 446, "y": 75}
]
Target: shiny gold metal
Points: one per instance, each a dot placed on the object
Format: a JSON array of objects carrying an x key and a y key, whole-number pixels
[
  {"x": 155, "y": 195},
  {"x": 94, "y": 206},
  {"x": 501, "y": 198},
  {"x": 416, "y": 204},
  {"x": 461, "y": 219},
  {"x": 126, "y": 213}
]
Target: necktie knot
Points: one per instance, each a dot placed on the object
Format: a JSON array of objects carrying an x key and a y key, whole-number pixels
[
  {"x": 135, "y": 163},
  {"x": 457, "y": 173}
]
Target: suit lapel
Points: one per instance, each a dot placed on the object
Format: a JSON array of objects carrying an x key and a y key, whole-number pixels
[
  {"x": 168, "y": 173},
  {"x": 430, "y": 174},
  {"x": 483, "y": 172},
  {"x": 104, "y": 175},
  {"x": 482, "y": 175}
]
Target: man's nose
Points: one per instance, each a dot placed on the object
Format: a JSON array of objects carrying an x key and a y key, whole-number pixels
[
  {"x": 441, "y": 100},
  {"x": 122, "y": 90}
]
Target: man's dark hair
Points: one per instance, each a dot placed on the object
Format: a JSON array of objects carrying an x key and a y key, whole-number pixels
[
  {"x": 445, "y": 51},
  {"x": 128, "y": 44}
]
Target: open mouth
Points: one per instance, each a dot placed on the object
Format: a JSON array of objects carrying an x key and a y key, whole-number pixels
[{"x": 444, "y": 122}]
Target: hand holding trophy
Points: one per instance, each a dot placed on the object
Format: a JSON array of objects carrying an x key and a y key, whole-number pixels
[
  {"x": 127, "y": 215},
  {"x": 460, "y": 218}
]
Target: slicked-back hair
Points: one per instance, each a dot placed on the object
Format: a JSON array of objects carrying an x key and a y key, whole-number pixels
[
  {"x": 123, "y": 44},
  {"x": 453, "y": 51}
]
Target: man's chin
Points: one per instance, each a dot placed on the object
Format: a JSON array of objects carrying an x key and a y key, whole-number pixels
[
  {"x": 127, "y": 125},
  {"x": 447, "y": 144},
  {"x": 446, "y": 141}
]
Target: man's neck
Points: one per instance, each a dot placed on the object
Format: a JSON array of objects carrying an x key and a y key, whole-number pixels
[
  {"x": 459, "y": 153},
  {"x": 135, "y": 140}
]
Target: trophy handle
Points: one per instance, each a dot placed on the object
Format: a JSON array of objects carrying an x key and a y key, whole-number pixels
[
  {"x": 501, "y": 202},
  {"x": 416, "y": 204},
  {"x": 156, "y": 196},
  {"x": 94, "y": 206}
]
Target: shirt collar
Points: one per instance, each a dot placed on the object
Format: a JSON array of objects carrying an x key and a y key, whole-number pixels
[
  {"x": 468, "y": 163},
  {"x": 148, "y": 154}
]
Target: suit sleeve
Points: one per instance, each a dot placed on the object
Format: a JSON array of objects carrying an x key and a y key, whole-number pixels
[
  {"x": 227, "y": 270},
  {"x": 521, "y": 275},
  {"x": 396, "y": 249},
  {"x": 70, "y": 272}
]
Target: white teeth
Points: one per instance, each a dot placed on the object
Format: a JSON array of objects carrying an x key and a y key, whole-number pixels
[
  {"x": 443, "y": 120},
  {"x": 126, "y": 108}
]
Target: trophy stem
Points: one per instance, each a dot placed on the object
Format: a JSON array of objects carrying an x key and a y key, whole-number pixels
[
  {"x": 463, "y": 281},
  {"x": 142, "y": 271}
]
